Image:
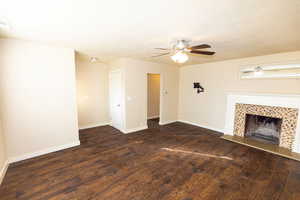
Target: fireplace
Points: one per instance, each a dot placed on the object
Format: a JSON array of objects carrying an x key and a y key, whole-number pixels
[
  {"x": 282, "y": 120},
  {"x": 271, "y": 118},
  {"x": 262, "y": 128}
]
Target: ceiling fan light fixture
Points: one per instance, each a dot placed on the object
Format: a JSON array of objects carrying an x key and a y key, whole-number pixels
[
  {"x": 181, "y": 48},
  {"x": 4, "y": 26},
  {"x": 180, "y": 57},
  {"x": 181, "y": 44},
  {"x": 93, "y": 59},
  {"x": 258, "y": 71}
]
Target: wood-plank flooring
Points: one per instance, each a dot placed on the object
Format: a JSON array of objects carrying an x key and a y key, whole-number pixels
[{"x": 172, "y": 162}]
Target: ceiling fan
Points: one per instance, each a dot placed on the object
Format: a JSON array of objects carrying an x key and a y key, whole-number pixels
[{"x": 180, "y": 49}]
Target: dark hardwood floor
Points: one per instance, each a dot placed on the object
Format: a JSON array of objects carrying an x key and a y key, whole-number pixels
[{"x": 172, "y": 162}]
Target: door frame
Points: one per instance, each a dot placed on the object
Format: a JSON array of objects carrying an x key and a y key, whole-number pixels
[
  {"x": 160, "y": 95},
  {"x": 122, "y": 103}
]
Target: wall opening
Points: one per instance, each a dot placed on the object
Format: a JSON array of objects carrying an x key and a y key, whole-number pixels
[{"x": 153, "y": 99}]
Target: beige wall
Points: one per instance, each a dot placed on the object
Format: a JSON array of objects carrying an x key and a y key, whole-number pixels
[
  {"x": 3, "y": 156},
  {"x": 208, "y": 108},
  {"x": 92, "y": 93},
  {"x": 153, "y": 95},
  {"x": 135, "y": 75},
  {"x": 38, "y": 98}
]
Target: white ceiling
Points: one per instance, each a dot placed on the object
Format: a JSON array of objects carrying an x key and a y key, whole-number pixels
[{"x": 132, "y": 28}]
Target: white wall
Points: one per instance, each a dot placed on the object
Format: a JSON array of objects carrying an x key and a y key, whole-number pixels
[
  {"x": 38, "y": 98},
  {"x": 208, "y": 109},
  {"x": 92, "y": 93},
  {"x": 153, "y": 95},
  {"x": 135, "y": 75}
]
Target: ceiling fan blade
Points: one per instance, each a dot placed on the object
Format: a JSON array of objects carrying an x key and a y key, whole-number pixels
[
  {"x": 203, "y": 52},
  {"x": 201, "y": 46},
  {"x": 162, "y": 49},
  {"x": 163, "y": 54}
]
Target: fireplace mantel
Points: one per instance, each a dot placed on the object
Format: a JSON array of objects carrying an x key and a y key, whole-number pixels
[{"x": 279, "y": 100}]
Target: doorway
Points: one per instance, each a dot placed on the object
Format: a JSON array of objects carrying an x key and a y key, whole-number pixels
[
  {"x": 153, "y": 99},
  {"x": 115, "y": 99}
]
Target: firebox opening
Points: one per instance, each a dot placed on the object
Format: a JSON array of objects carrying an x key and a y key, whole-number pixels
[{"x": 262, "y": 128}]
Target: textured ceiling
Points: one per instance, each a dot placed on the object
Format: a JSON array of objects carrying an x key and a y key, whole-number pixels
[{"x": 132, "y": 28}]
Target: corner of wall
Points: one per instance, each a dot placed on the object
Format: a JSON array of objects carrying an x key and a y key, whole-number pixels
[
  {"x": 4, "y": 165},
  {"x": 3, "y": 171}
]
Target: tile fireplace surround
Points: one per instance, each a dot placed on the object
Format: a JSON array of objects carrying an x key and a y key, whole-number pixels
[
  {"x": 289, "y": 118},
  {"x": 285, "y": 107}
]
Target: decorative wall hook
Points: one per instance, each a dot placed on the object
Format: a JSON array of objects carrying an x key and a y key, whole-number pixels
[{"x": 198, "y": 87}]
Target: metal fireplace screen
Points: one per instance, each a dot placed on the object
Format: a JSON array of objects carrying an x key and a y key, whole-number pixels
[{"x": 262, "y": 128}]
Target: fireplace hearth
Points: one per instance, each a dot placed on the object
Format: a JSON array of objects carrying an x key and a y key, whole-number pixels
[{"x": 262, "y": 128}]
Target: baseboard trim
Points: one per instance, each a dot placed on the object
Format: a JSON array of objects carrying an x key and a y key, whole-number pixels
[
  {"x": 153, "y": 117},
  {"x": 167, "y": 122},
  {"x": 202, "y": 126},
  {"x": 94, "y": 125},
  {"x": 135, "y": 129},
  {"x": 3, "y": 171},
  {"x": 43, "y": 152}
]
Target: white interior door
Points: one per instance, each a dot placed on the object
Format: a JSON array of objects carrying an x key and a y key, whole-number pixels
[{"x": 115, "y": 100}]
